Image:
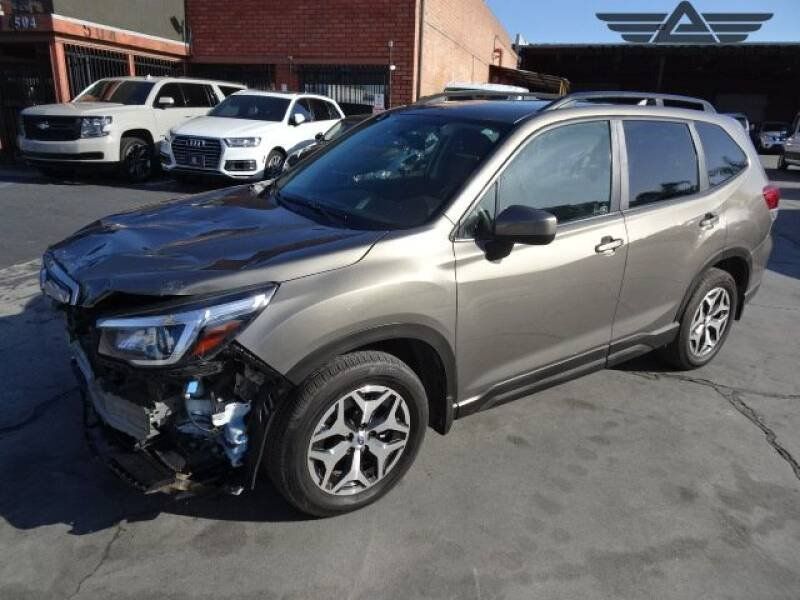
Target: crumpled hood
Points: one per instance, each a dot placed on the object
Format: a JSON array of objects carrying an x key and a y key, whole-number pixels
[
  {"x": 214, "y": 242},
  {"x": 224, "y": 127}
]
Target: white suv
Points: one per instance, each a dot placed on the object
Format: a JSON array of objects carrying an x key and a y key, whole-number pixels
[
  {"x": 249, "y": 135},
  {"x": 115, "y": 122}
]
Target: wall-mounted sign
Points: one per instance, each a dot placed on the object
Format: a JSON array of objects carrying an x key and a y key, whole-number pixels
[
  {"x": 685, "y": 25},
  {"x": 22, "y": 22}
]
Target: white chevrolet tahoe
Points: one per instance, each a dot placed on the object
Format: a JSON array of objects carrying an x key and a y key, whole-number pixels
[
  {"x": 248, "y": 135},
  {"x": 115, "y": 122}
]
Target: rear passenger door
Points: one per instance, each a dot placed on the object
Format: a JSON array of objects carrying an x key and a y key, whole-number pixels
[
  {"x": 542, "y": 310},
  {"x": 675, "y": 223}
]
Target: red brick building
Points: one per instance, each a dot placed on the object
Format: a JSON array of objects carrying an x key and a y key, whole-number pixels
[{"x": 344, "y": 48}]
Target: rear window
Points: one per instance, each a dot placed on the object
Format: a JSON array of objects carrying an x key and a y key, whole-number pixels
[
  {"x": 724, "y": 158},
  {"x": 662, "y": 161},
  {"x": 117, "y": 91}
]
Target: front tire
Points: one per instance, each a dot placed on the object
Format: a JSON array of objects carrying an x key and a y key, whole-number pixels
[
  {"x": 706, "y": 322},
  {"x": 136, "y": 159},
  {"x": 348, "y": 435},
  {"x": 274, "y": 163},
  {"x": 782, "y": 164}
]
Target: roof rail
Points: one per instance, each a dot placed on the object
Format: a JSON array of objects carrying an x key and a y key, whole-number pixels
[
  {"x": 461, "y": 95},
  {"x": 638, "y": 98}
]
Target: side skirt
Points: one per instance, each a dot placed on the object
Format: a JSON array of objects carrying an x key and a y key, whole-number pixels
[{"x": 618, "y": 352}]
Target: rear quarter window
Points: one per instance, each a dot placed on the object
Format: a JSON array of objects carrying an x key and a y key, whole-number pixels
[{"x": 724, "y": 158}]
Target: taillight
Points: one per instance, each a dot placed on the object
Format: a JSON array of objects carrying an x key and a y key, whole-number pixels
[{"x": 772, "y": 196}]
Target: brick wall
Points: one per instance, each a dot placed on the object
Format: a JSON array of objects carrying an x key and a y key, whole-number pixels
[
  {"x": 458, "y": 42},
  {"x": 311, "y": 32}
]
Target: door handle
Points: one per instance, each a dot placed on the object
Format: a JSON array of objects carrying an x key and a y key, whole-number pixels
[
  {"x": 608, "y": 245},
  {"x": 709, "y": 221}
]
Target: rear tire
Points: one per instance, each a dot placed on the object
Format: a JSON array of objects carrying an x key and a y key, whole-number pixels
[
  {"x": 135, "y": 159},
  {"x": 705, "y": 323},
  {"x": 348, "y": 434}
]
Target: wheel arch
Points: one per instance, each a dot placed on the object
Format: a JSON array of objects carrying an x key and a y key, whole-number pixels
[
  {"x": 143, "y": 133},
  {"x": 423, "y": 349},
  {"x": 735, "y": 261}
]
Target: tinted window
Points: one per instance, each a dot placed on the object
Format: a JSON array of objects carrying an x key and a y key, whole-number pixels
[
  {"x": 302, "y": 107},
  {"x": 171, "y": 90},
  {"x": 724, "y": 158},
  {"x": 257, "y": 108},
  {"x": 333, "y": 111},
  {"x": 662, "y": 161},
  {"x": 320, "y": 110},
  {"x": 196, "y": 95},
  {"x": 118, "y": 91},
  {"x": 397, "y": 172},
  {"x": 228, "y": 90},
  {"x": 566, "y": 171},
  {"x": 683, "y": 104}
]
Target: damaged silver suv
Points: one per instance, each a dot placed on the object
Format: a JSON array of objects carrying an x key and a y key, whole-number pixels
[{"x": 436, "y": 260}]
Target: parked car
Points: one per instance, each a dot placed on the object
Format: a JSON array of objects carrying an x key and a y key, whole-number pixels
[
  {"x": 115, "y": 122},
  {"x": 323, "y": 139},
  {"x": 742, "y": 119},
  {"x": 771, "y": 135},
  {"x": 791, "y": 148},
  {"x": 435, "y": 262},
  {"x": 248, "y": 136}
]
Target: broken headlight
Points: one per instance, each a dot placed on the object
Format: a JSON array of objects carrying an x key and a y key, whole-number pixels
[{"x": 164, "y": 339}]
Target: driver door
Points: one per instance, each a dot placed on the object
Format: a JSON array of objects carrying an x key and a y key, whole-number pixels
[{"x": 532, "y": 312}]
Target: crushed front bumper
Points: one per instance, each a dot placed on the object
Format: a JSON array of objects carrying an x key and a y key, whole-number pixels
[{"x": 119, "y": 435}]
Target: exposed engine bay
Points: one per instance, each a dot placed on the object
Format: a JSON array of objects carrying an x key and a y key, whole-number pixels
[{"x": 175, "y": 429}]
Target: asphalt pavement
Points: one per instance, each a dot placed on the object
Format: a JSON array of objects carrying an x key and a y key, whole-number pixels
[{"x": 637, "y": 482}]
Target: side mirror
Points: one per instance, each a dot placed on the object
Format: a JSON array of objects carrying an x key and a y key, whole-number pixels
[
  {"x": 297, "y": 119},
  {"x": 320, "y": 137},
  {"x": 165, "y": 102},
  {"x": 524, "y": 225}
]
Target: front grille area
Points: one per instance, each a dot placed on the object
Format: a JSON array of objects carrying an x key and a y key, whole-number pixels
[
  {"x": 792, "y": 155},
  {"x": 54, "y": 129},
  {"x": 197, "y": 153}
]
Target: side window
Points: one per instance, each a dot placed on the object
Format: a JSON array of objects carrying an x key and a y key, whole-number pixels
[
  {"x": 566, "y": 171},
  {"x": 481, "y": 217},
  {"x": 333, "y": 111},
  {"x": 320, "y": 109},
  {"x": 195, "y": 95},
  {"x": 662, "y": 161},
  {"x": 724, "y": 158},
  {"x": 302, "y": 107},
  {"x": 228, "y": 90},
  {"x": 171, "y": 90}
]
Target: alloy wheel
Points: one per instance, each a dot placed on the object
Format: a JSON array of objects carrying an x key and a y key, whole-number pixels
[
  {"x": 709, "y": 322},
  {"x": 358, "y": 440},
  {"x": 138, "y": 161}
]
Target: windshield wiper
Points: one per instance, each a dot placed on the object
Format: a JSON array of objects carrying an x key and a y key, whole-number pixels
[{"x": 331, "y": 214}]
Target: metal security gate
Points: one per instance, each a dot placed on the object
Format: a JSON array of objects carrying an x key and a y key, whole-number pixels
[
  {"x": 157, "y": 67},
  {"x": 23, "y": 82},
  {"x": 256, "y": 77},
  {"x": 356, "y": 88},
  {"x": 86, "y": 65}
]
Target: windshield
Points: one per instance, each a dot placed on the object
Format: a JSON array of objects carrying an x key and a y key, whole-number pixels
[
  {"x": 341, "y": 127},
  {"x": 256, "y": 108},
  {"x": 396, "y": 172},
  {"x": 119, "y": 91}
]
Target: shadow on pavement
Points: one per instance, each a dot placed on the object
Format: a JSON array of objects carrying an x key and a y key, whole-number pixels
[{"x": 47, "y": 474}]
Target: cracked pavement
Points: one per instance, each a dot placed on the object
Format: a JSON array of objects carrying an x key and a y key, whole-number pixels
[{"x": 637, "y": 482}]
